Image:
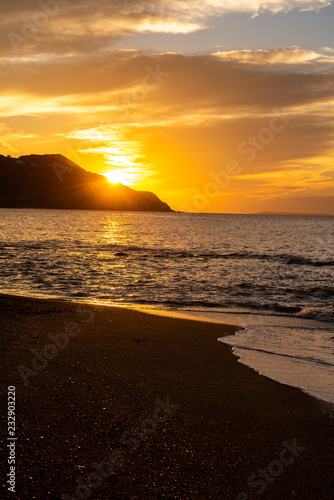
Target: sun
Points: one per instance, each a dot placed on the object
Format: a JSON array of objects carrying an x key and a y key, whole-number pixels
[{"x": 117, "y": 176}]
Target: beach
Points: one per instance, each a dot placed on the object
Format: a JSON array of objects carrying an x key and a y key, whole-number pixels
[{"x": 116, "y": 403}]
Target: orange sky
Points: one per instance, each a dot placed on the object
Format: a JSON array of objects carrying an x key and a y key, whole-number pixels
[{"x": 228, "y": 130}]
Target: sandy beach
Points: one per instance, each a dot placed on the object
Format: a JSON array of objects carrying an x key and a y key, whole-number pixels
[{"x": 113, "y": 403}]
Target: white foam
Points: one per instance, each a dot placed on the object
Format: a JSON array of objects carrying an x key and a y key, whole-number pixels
[{"x": 297, "y": 356}]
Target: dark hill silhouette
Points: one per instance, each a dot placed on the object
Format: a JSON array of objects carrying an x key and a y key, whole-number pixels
[{"x": 53, "y": 181}]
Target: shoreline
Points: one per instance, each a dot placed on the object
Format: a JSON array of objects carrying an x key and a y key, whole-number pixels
[
  {"x": 105, "y": 381},
  {"x": 241, "y": 319}
]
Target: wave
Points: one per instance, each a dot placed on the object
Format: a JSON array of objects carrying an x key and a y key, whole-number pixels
[
  {"x": 325, "y": 316},
  {"x": 294, "y": 260},
  {"x": 287, "y": 259},
  {"x": 308, "y": 359},
  {"x": 165, "y": 253}
]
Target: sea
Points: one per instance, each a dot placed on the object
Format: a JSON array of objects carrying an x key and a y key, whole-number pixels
[{"x": 270, "y": 274}]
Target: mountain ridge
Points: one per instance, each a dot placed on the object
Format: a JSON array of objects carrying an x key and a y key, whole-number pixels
[{"x": 54, "y": 181}]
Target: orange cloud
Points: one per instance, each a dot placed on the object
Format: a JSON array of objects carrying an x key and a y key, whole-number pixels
[
  {"x": 291, "y": 55},
  {"x": 204, "y": 132}
]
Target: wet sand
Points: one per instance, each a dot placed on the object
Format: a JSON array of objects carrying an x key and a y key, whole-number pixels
[{"x": 186, "y": 420}]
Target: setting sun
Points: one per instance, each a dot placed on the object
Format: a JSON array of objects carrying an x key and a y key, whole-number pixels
[
  {"x": 129, "y": 176},
  {"x": 118, "y": 176}
]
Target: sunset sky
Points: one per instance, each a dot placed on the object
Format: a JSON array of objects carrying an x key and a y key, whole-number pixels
[{"x": 216, "y": 106}]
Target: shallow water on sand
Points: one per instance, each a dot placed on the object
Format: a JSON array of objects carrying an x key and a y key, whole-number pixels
[
  {"x": 300, "y": 356},
  {"x": 293, "y": 351}
]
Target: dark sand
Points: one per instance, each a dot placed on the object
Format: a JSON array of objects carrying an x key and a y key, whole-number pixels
[{"x": 230, "y": 421}]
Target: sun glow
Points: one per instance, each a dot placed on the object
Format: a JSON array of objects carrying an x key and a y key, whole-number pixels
[
  {"x": 121, "y": 155},
  {"x": 118, "y": 176}
]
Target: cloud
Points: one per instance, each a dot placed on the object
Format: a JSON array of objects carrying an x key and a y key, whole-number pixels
[
  {"x": 327, "y": 49},
  {"x": 58, "y": 26},
  {"x": 214, "y": 7},
  {"x": 291, "y": 55},
  {"x": 180, "y": 85},
  {"x": 180, "y": 118}
]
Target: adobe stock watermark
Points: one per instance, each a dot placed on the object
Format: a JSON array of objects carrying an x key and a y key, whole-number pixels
[
  {"x": 60, "y": 169},
  {"x": 50, "y": 8},
  {"x": 249, "y": 148},
  {"x": 31, "y": 26},
  {"x": 50, "y": 351},
  {"x": 264, "y": 477},
  {"x": 131, "y": 439},
  {"x": 151, "y": 81},
  {"x": 153, "y": 78}
]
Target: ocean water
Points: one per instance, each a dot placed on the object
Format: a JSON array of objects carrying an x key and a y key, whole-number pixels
[
  {"x": 263, "y": 268},
  {"x": 301, "y": 355}
]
